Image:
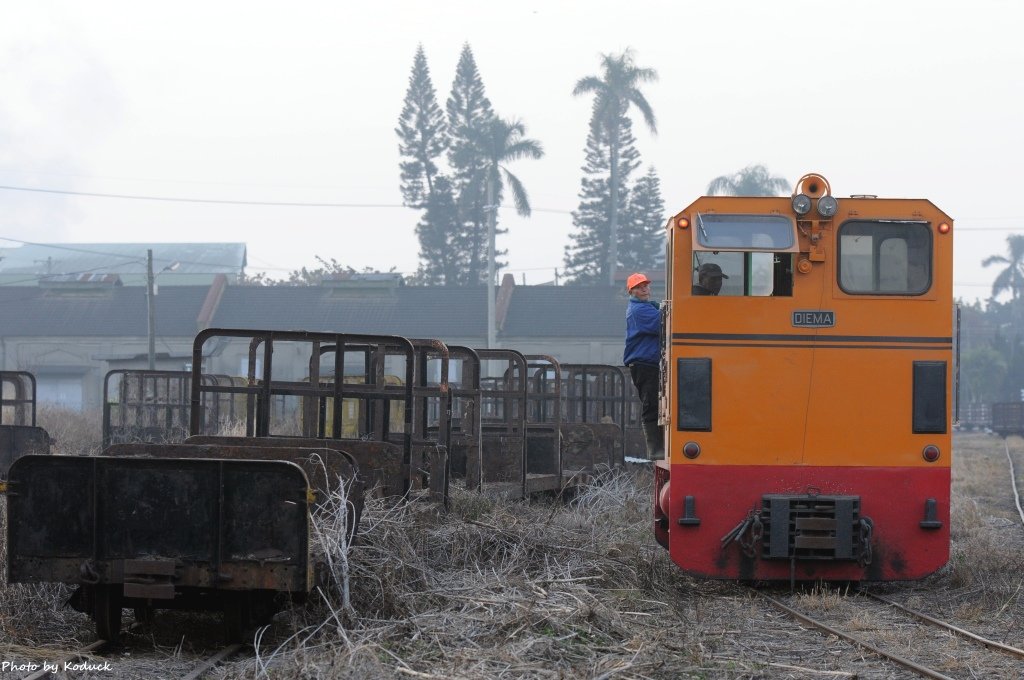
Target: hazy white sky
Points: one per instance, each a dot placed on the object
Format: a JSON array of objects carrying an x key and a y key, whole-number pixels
[{"x": 297, "y": 102}]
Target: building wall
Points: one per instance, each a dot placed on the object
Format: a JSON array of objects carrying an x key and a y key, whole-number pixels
[{"x": 70, "y": 371}]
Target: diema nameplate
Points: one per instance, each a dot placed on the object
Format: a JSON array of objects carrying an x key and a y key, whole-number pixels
[{"x": 814, "y": 318}]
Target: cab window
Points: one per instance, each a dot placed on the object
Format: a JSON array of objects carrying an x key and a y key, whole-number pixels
[
  {"x": 747, "y": 232},
  {"x": 885, "y": 258},
  {"x": 750, "y": 274}
]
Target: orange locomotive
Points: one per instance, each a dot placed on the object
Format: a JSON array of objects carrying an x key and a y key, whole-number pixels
[{"x": 806, "y": 404}]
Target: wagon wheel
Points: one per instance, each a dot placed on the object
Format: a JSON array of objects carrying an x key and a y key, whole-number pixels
[{"x": 107, "y": 612}]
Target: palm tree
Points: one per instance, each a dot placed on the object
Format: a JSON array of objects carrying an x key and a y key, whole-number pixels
[
  {"x": 615, "y": 90},
  {"x": 753, "y": 180},
  {"x": 495, "y": 143},
  {"x": 1011, "y": 278}
]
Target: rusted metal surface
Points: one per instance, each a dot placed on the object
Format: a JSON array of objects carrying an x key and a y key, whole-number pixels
[
  {"x": 431, "y": 443},
  {"x": 466, "y": 449},
  {"x": 17, "y": 398},
  {"x": 145, "y": 406},
  {"x": 370, "y": 464},
  {"x": 544, "y": 419},
  {"x": 598, "y": 393},
  {"x": 19, "y": 434},
  {"x": 591, "y": 448},
  {"x": 224, "y": 524},
  {"x": 320, "y": 401},
  {"x": 503, "y": 422},
  {"x": 19, "y": 440},
  {"x": 154, "y": 406},
  {"x": 326, "y": 467}
]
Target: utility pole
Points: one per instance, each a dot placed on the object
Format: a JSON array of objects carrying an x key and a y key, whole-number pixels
[
  {"x": 150, "y": 292},
  {"x": 492, "y": 215}
]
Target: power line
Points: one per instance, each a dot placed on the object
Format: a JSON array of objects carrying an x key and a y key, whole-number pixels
[
  {"x": 220, "y": 201},
  {"x": 173, "y": 199}
]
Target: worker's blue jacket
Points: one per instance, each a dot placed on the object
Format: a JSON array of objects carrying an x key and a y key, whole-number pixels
[{"x": 643, "y": 332}]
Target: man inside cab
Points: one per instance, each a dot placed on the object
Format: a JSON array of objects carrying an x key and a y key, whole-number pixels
[{"x": 709, "y": 280}]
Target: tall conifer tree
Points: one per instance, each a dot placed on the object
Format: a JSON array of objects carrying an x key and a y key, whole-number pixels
[
  {"x": 615, "y": 92},
  {"x": 587, "y": 256},
  {"x": 469, "y": 112},
  {"x": 642, "y": 246},
  {"x": 422, "y": 134},
  {"x": 441, "y": 263}
]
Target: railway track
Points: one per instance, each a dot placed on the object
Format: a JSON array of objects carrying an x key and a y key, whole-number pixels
[
  {"x": 89, "y": 660},
  {"x": 1013, "y": 481},
  {"x": 923, "y": 644}
]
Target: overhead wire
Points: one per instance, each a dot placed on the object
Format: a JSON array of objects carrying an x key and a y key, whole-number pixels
[{"x": 222, "y": 201}]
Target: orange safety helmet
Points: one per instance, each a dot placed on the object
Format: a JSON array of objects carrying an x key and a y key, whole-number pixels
[{"x": 635, "y": 280}]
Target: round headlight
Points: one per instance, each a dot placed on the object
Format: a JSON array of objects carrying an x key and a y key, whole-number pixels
[
  {"x": 827, "y": 206},
  {"x": 801, "y": 204}
]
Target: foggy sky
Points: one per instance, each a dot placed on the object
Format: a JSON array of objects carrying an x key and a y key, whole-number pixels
[{"x": 269, "y": 102}]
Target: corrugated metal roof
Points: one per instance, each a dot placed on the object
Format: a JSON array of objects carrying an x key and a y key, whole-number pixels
[
  {"x": 412, "y": 311},
  {"x": 566, "y": 311},
  {"x": 112, "y": 311}
]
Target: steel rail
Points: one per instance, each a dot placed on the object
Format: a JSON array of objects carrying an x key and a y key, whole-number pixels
[
  {"x": 1013, "y": 481},
  {"x": 215, "y": 660},
  {"x": 991, "y": 644},
  {"x": 906, "y": 663}
]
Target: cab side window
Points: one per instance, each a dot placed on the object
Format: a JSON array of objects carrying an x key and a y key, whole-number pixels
[
  {"x": 750, "y": 274},
  {"x": 885, "y": 258}
]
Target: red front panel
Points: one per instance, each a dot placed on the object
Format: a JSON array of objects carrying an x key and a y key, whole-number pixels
[{"x": 893, "y": 498}]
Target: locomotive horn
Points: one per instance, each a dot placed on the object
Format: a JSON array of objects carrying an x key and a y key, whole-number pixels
[{"x": 812, "y": 184}]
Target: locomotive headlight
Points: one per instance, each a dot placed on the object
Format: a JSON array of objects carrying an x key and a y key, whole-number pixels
[
  {"x": 827, "y": 206},
  {"x": 930, "y": 453},
  {"x": 691, "y": 450},
  {"x": 801, "y": 204}
]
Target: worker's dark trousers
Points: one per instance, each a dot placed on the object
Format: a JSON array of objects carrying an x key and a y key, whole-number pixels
[{"x": 647, "y": 379}]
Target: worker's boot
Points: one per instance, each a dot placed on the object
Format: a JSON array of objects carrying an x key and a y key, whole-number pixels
[{"x": 655, "y": 439}]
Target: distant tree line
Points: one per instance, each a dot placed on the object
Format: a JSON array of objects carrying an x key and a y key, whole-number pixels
[{"x": 992, "y": 335}]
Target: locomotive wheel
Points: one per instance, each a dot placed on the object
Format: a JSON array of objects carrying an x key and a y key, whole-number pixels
[{"x": 107, "y": 612}]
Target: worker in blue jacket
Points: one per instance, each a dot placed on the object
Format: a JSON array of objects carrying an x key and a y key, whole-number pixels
[{"x": 643, "y": 358}]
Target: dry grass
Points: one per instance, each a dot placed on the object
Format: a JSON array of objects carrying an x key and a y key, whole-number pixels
[
  {"x": 71, "y": 432},
  {"x": 504, "y": 589},
  {"x": 492, "y": 589},
  {"x": 984, "y": 521}
]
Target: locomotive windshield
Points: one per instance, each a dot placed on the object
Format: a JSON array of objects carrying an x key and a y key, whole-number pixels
[{"x": 744, "y": 232}]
